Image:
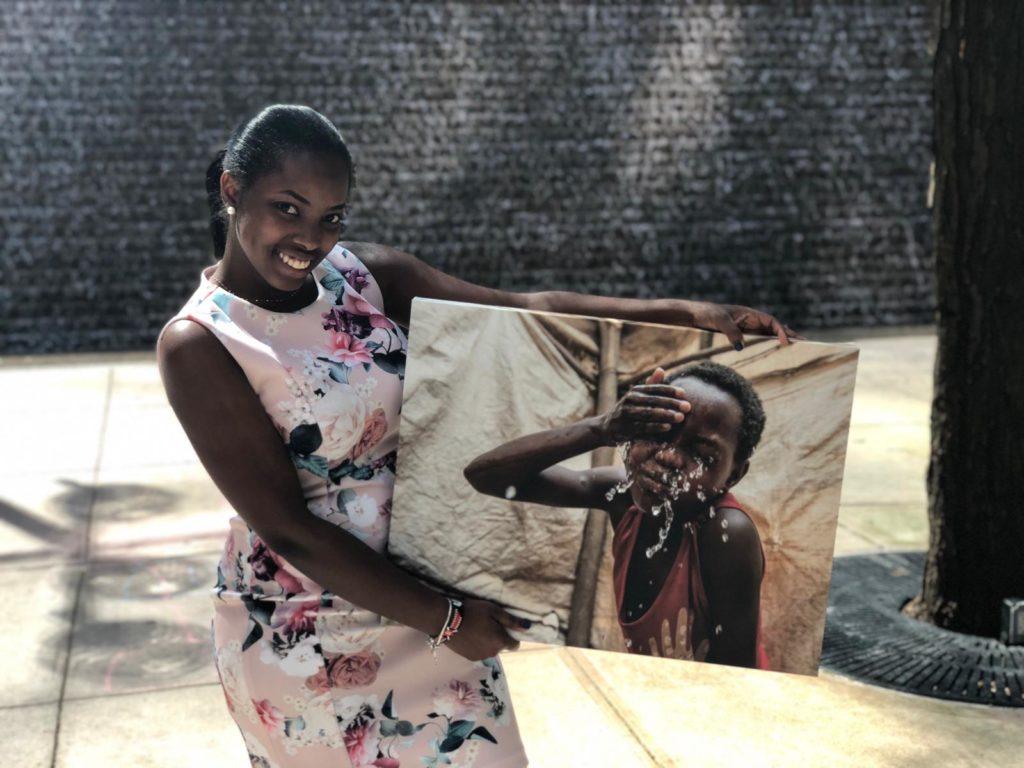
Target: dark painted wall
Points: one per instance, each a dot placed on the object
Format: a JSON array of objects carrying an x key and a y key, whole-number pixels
[{"x": 772, "y": 154}]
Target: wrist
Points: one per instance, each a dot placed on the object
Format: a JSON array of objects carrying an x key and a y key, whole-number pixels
[
  {"x": 686, "y": 311},
  {"x": 597, "y": 428},
  {"x": 437, "y": 614},
  {"x": 452, "y": 623}
]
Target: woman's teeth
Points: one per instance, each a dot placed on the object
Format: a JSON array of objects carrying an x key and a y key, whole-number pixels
[{"x": 293, "y": 261}]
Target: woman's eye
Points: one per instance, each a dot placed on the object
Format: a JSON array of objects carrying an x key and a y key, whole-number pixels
[{"x": 334, "y": 220}]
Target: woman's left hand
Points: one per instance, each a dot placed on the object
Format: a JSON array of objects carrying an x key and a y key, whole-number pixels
[{"x": 733, "y": 320}]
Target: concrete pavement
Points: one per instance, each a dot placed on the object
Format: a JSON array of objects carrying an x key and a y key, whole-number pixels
[{"x": 110, "y": 528}]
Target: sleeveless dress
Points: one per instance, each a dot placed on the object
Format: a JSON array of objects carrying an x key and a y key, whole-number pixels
[
  {"x": 310, "y": 678},
  {"x": 677, "y": 624}
]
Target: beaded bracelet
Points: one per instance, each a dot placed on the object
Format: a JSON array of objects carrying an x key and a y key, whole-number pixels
[{"x": 451, "y": 625}]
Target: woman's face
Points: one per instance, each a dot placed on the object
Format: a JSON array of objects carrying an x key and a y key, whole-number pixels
[
  {"x": 698, "y": 455},
  {"x": 289, "y": 219}
]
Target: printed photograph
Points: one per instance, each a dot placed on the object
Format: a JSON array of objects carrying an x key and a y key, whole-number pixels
[{"x": 626, "y": 486}]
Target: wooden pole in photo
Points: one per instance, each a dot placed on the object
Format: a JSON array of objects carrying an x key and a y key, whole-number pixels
[{"x": 581, "y": 609}]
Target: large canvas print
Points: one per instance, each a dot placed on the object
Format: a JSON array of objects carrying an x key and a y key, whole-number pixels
[{"x": 626, "y": 486}]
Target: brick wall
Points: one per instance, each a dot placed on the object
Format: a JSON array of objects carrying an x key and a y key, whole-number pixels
[{"x": 766, "y": 153}]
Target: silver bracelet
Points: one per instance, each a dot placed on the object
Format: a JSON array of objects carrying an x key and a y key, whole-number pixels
[{"x": 434, "y": 642}]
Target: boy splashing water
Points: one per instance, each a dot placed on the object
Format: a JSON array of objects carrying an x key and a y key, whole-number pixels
[{"x": 687, "y": 559}]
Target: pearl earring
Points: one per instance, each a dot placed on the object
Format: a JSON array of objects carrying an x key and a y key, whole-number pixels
[{"x": 231, "y": 210}]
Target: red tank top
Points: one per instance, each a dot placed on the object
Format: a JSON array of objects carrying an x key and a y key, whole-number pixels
[{"x": 677, "y": 624}]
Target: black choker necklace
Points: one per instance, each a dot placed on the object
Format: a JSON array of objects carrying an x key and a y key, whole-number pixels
[{"x": 285, "y": 298}]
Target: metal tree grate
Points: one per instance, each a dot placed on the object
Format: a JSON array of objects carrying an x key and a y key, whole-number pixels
[{"x": 867, "y": 638}]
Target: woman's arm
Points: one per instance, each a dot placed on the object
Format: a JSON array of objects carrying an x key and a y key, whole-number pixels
[
  {"x": 401, "y": 277},
  {"x": 247, "y": 460},
  {"x": 732, "y": 569}
]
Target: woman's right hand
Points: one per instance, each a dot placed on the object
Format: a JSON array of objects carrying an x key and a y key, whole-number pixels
[
  {"x": 647, "y": 411},
  {"x": 484, "y": 630}
]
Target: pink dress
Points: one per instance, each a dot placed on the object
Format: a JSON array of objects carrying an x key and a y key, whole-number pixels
[
  {"x": 677, "y": 624},
  {"x": 311, "y": 679}
]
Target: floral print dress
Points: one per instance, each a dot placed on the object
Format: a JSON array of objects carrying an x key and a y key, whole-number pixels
[{"x": 310, "y": 678}]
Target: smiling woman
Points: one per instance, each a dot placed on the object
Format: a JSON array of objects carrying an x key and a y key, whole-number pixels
[
  {"x": 280, "y": 233},
  {"x": 287, "y": 375}
]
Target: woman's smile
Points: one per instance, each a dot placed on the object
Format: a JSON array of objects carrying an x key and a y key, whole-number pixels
[{"x": 296, "y": 262}]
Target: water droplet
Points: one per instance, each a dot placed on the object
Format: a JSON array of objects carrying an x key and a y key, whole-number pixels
[
  {"x": 510, "y": 492},
  {"x": 662, "y": 533},
  {"x": 725, "y": 537},
  {"x": 725, "y": 523},
  {"x": 718, "y": 629},
  {"x": 620, "y": 487},
  {"x": 711, "y": 512}
]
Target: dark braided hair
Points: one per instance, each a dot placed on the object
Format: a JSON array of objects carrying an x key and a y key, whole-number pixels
[
  {"x": 732, "y": 383},
  {"x": 259, "y": 145}
]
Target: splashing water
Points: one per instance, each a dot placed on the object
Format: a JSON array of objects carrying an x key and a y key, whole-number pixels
[
  {"x": 620, "y": 487},
  {"x": 662, "y": 533}
]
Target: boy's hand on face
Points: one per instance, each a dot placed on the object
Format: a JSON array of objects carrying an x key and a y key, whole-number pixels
[
  {"x": 658, "y": 457},
  {"x": 652, "y": 458},
  {"x": 647, "y": 411}
]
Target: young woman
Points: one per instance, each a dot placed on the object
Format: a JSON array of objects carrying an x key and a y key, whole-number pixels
[
  {"x": 285, "y": 368},
  {"x": 687, "y": 559}
]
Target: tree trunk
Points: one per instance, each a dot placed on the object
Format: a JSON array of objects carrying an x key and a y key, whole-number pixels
[{"x": 976, "y": 473}]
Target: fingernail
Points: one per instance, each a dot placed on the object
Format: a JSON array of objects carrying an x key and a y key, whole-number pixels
[
  {"x": 738, "y": 345},
  {"x": 525, "y": 623}
]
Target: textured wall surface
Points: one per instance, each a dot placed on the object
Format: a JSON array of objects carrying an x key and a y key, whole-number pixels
[{"x": 773, "y": 154}]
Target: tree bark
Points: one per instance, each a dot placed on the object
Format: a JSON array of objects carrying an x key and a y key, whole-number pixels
[{"x": 976, "y": 473}]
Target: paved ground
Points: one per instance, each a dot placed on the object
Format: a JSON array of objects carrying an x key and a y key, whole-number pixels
[{"x": 109, "y": 529}]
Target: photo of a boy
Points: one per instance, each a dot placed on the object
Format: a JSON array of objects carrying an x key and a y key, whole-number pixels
[{"x": 687, "y": 558}]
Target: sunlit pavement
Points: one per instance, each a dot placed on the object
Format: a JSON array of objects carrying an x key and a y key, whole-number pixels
[{"x": 110, "y": 528}]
